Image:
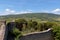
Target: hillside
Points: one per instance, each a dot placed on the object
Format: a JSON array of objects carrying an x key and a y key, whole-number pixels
[{"x": 41, "y": 16}]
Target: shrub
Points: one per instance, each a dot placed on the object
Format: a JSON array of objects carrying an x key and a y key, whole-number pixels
[{"x": 17, "y": 33}]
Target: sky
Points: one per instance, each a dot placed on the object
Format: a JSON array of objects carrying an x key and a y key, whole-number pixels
[{"x": 29, "y": 6}]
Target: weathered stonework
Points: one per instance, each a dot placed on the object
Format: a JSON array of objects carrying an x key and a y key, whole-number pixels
[{"x": 2, "y": 29}]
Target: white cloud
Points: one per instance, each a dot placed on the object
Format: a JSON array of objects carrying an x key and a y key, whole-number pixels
[
  {"x": 9, "y": 11},
  {"x": 12, "y": 11},
  {"x": 23, "y": 12},
  {"x": 56, "y": 11}
]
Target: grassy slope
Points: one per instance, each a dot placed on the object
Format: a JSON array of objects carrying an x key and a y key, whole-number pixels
[{"x": 41, "y": 16}]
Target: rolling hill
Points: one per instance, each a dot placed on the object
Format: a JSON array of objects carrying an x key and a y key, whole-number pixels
[{"x": 41, "y": 16}]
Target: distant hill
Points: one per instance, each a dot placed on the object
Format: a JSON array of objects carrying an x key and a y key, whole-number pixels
[{"x": 42, "y": 16}]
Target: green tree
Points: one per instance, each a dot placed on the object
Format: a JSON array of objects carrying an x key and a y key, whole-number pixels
[{"x": 19, "y": 23}]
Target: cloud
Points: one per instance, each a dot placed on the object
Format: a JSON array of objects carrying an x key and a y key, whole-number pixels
[
  {"x": 7, "y": 9},
  {"x": 10, "y": 11},
  {"x": 56, "y": 11}
]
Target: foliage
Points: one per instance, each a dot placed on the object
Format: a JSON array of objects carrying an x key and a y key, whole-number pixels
[
  {"x": 26, "y": 26},
  {"x": 17, "y": 33},
  {"x": 19, "y": 23},
  {"x": 56, "y": 31}
]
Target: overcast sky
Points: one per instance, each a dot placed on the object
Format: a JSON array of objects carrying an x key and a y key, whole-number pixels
[{"x": 27, "y": 6}]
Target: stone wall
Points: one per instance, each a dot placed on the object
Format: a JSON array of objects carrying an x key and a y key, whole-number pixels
[
  {"x": 44, "y": 35},
  {"x": 2, "y": 29}
]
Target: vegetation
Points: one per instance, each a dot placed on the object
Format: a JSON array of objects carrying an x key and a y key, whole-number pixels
[
  {"x": 27, "y": 23},
  {"x": 41, "y": 16},
  {"x": 24, "y": 26}
]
